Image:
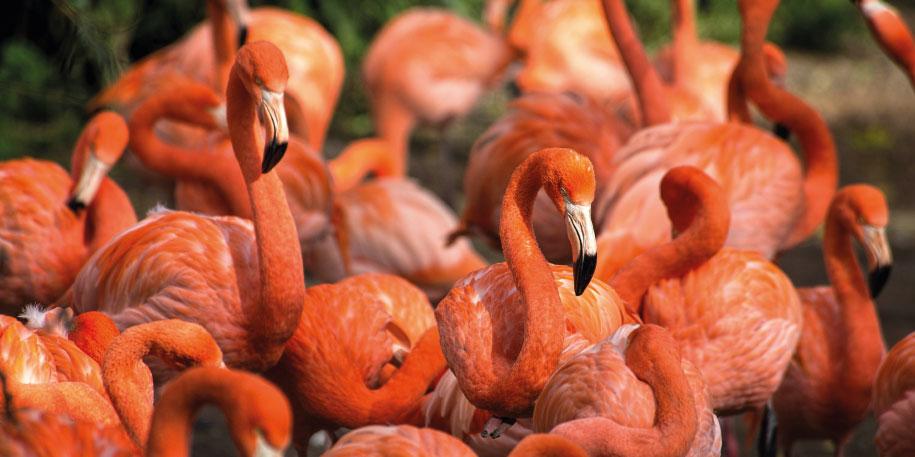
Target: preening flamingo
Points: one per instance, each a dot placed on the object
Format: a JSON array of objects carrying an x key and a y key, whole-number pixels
[
  {"x": 428, "y": 66},
  {"x": 736, "y": 316},
  {"x": 598, "y": 390},
  {"x": 894, "y": 400},
  {"x": 827, "y": 388},
  {"x": 206, "y": 55},
  {"x": 243, "y": 282},
  {"x": 391, "y": 440},
  {"x": 53, "y": 222},
  {"x": 373, "y": 214},
  {"x": 503, "y": 327},
  {"x": 773, "y": 204},
  {"x": 891, "y": 33}
]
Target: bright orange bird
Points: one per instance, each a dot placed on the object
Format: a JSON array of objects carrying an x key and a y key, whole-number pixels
[
  {"x": 828, "y": 387},
  {"x": 736, "y": 316},
  {"x": 894, "y": 400},
  {"x": 891, "y": 33},
  {"x": 53, "y": 222},
  {"x": 503, "y": 327},
  {"x": 399, "y": 440},
  {"x": 428, "y": 66},
  {"x": 243, "y": 282},
  {"x": 207, "y": 52}
]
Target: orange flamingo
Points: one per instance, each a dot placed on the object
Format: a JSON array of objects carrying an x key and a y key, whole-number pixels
[
  {"x": 206, "y": 55},
  {"x": 773, "y": 204},
  {"x": 390, "y": 440},
  {"x": 598, "y": 386},
  {"x": 243, "y": 284},
  {"x": 894, "y": 400},
  {"x": 429, "y": 66},
  {"x": 547, "y": 445},
  {"x": 891, "y": 33},
  {"x": 502, "y": 327},
  {"x": 43, "y": 244},
  {"x": 827, "y": 388}
]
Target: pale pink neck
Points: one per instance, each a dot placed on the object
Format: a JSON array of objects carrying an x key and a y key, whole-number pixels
[
  {"x": 821, "y": 178},
  {"x": 109, "y": 213},
  {"x": 362, "y": 157},
  {"x": 685, "y": 39},
  {"x": 225, "y": 41},
  {"x": 273, "y": 318},
  {"x": 648, "y": 86}
]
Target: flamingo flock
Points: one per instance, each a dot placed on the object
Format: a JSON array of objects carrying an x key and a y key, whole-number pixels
[{"x": 639, "y": 208}]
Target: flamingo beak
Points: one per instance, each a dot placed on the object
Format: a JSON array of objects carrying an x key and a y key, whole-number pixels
[
  {"x": 580, "y": 231},
  {"x": 263, "y": 449},
  {"x": 90, "y": 179},
  {"x": 879, "y": 258},
  {"x": 277, "y": 129}
]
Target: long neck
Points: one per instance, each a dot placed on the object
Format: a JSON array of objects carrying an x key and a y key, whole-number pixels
[
  {"x": 861, "y": 341},
  {"x": 821, "y": 178},
  {"x": 273, "y": 318},
  {"x": 109, "y": 213},
  {"x": 361, "y": 158},
  {"x": 225, "y": 41},
  {"x": 675, "y": 419},
  {"x": 211, "y": 165},
  {"x": 685, "y": 39},
  {"x": 651, "y": 92},
  {"x": 891, "y": 32},
  {"x": 394, "y": 123}
]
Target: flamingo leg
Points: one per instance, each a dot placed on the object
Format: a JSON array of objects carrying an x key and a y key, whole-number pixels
[{"x": 768, "y": 431}]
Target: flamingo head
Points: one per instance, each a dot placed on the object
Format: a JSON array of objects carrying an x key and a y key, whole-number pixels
[
  {"x": 261, "y": 68},
  {"x": 261, "y": 426},
  {"x": 863, "y": 211},
  {"x": 101, "y": 145}
]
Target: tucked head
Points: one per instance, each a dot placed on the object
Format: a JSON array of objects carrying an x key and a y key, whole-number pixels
[
  {"x": 100, "y": 146},
  {"x": 687, "y": 191},
  {"x": 862, "y": 211}
]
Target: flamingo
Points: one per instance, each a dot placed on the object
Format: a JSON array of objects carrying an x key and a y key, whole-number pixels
[
  {"x": 597, "y": 386},
  {"x": 891, "y": 33},
  {"x": 207, "y": 52},
  {"x": 428, "y": 66},
  {"x": 52, "y": 222},
  {"x": 774, "y": 205},
  {"x": 894, "y": 400},
  {"x": 817, "y": 398},
  {"x": 394, "y": 440},
  {"x": 502, "y": 327},
  {"x": 243, "y": 282},
  {"x": 547, "y": 445}
]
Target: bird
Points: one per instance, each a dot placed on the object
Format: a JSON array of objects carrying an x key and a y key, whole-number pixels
[
  {"x": 774, "y": 204},
  {"x": 547, "y": 445},
  {"x": 894, "y": 400},
  {"x": 736, "y": 316},
  {"x": 364, "y": 352},
  {"x": 428, "y": 66},
  {"x": 891, "y": 33},
  {"x": 502, "y": 327},
  {"x": 205, "y": 55},
  {"x": 827, "y": 389},
  {"x": 391, "y": 440},
  {"x": 371, "y": 215},
  {"x": 52, "y": 221},
  {"x": 241, "y": 280},
  {"x": 640, "y": 399}
]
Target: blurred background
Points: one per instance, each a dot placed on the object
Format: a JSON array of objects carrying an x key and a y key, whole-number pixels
[{"x": 55, "y": 54}]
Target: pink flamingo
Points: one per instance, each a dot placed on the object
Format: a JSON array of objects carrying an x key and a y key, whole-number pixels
[{"x": 894, "y": 400}]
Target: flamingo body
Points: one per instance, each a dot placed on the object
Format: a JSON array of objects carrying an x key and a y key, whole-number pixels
[
  {"x": 894, "y": 400},
  {"x": 384, "y": 441}
]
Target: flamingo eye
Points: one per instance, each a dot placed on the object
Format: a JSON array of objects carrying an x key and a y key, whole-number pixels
[{"x": 258, "y": 81}]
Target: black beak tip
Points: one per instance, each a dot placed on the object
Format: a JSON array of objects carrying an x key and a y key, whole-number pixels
[
  {"x": 782, "y": 131},
  {"x": 514, "y": 90},
  {"x": 242, "y": 35},
  {"x": 877, "y": 279},
  {"x": 273, "y": 153},
  {"x": 75, "y": 205},
  {"x": 583, "y": 272}
]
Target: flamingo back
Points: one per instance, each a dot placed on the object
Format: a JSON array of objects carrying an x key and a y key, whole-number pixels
[
  {"x": 45, "y": 434},
  {"x": 24, "y": 358},
  {"x": 398, "y": 440},
  {"x": 894, "y": 400}
]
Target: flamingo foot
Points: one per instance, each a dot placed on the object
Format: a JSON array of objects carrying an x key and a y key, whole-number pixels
[{"x": 496, "y": 426}]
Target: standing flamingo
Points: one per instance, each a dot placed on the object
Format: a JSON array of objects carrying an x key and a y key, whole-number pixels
[
  {"x": 52, "y": 222},
  {"x": 502, "y": 327},
  {"x": 894, "y": 400},
  {"x": 206, "y": 55},
  {"x": 891, "y": 33},
  {"x": 244, "y": 285},
  {"x": 597, "y": 386},
  {"x": 428, "y": 66},
  {"x": 827, "y": 388}
]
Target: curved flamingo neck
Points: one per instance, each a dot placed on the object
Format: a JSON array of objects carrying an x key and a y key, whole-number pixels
[
  {"x": 272, "y": 319},
  {"x": 393, "y": 123},
  {"x": 109, "y": 213},
  {"x": 685, "y": 39},
  {"x": 697, "y": 209},
  {"x": 225, "y": 41},
  {"x": 658, "y": 364},
  {"x": 208, "y": 164},
  {"x": 371, "y": 155},
  {"x": 821, "y": 177},
  {"x": 648, "y": 86},
  {"x": 891, "y": 33}
]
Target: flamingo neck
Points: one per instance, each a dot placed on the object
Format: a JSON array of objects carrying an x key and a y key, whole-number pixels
[
  {"x": 273, "y": 318},
  {"x": 821, "y": 178},
  {"x": 547, "y": 445},
  {"x": 361, "y": 158},
  {"x": 109, "y": 213},
  {"x": 225, "y": 41},
  {"x": 651, "y": 92},
  {"x": 891, "y": 33},
  {"x": 685, "y": 39},
  {"x": 394, "y": 124},
  {"x": 207, "y": 164}
]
